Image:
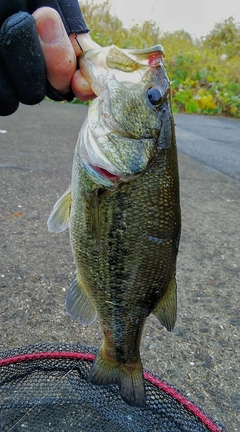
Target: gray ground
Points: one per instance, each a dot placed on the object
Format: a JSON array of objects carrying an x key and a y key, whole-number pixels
[{"x": 201, "y": 356}]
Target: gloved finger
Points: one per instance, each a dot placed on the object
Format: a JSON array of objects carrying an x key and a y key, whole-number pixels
[
  {"x": 8, "y": 8},
  {"x": 57, "y": 49},
  {"x": 8, "y": 98},
  {"x": 21, "y": 51}
]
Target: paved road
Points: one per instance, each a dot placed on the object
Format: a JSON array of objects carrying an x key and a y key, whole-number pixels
[
  {"x": 215, "y": 141},
  {"x": 201, "y": 356}
]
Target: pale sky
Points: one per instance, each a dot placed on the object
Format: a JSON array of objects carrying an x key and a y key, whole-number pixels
[{"x": 197, "y": 17}]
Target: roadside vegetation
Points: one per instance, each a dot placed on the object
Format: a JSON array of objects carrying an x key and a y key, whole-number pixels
[{"x": 204, "y": 73}]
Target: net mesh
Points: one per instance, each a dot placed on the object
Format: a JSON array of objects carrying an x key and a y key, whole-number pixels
[{"x": 45, "y": 387}]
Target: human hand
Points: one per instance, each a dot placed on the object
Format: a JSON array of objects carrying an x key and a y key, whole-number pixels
[
  {"x": 37, "y": 57},
  {"x": 61, "y": 51}
]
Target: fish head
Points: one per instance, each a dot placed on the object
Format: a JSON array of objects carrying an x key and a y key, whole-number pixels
[{"x": 126, "y": 123}]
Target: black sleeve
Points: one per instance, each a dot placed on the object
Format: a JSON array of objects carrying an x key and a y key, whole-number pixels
[{"x": 22, "y": 66}]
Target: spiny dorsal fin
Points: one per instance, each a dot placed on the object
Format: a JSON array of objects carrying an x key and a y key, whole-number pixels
[
  {"x": 78, "y": 304},
  {"x": 166, "y": 309},
  {"x": 59, "y": 217}
]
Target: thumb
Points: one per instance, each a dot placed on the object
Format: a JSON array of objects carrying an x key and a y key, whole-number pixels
[{"x": 57, "y": 49}]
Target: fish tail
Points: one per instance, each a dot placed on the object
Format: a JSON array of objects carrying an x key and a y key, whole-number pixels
[{"x": 128, "y": 377}]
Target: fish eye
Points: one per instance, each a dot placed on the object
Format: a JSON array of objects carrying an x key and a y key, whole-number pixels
[{"x": 154, "y": 95}]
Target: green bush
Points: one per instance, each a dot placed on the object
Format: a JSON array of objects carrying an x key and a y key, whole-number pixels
[
  {"x": 204, "y": 74},
  {"x": 225, "y": 38}
]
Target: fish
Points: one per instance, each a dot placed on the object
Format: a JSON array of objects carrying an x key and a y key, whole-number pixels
[{"x": 123, "y": 211}]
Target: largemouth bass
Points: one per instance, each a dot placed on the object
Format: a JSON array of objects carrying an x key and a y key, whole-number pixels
[{"x": 123, "y": 211}]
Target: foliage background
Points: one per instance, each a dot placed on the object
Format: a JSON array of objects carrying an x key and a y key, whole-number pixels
[{"x": 204, "y": 73}]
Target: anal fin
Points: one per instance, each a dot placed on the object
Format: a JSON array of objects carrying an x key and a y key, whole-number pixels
[
  {"x": 79, "y": 305},
  {"x": 166, "y": 309},
  {"x": 59, "y": 217}
]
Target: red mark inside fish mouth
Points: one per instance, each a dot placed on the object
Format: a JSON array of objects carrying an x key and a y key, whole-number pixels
[{"x": 104, "y": 173}]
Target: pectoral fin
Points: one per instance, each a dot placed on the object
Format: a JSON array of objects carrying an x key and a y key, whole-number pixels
[
  {"x": 166, "y": 309},
  {"x": 59, "y": 217},
  {"x": 79, "y": 305}
]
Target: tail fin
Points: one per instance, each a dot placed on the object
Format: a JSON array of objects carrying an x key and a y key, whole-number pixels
[{"x": 129, "y": 378}]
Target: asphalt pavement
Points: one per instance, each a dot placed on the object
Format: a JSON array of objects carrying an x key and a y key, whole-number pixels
[
  {"x": 201, "y": 357},
  {"x": 215, "y": 141}
]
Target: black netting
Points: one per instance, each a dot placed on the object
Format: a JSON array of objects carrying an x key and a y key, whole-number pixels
[{"x": 52, "y": 393}]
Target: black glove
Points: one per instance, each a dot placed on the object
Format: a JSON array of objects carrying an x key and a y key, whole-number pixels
[{"x": 22, "y": 66}]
